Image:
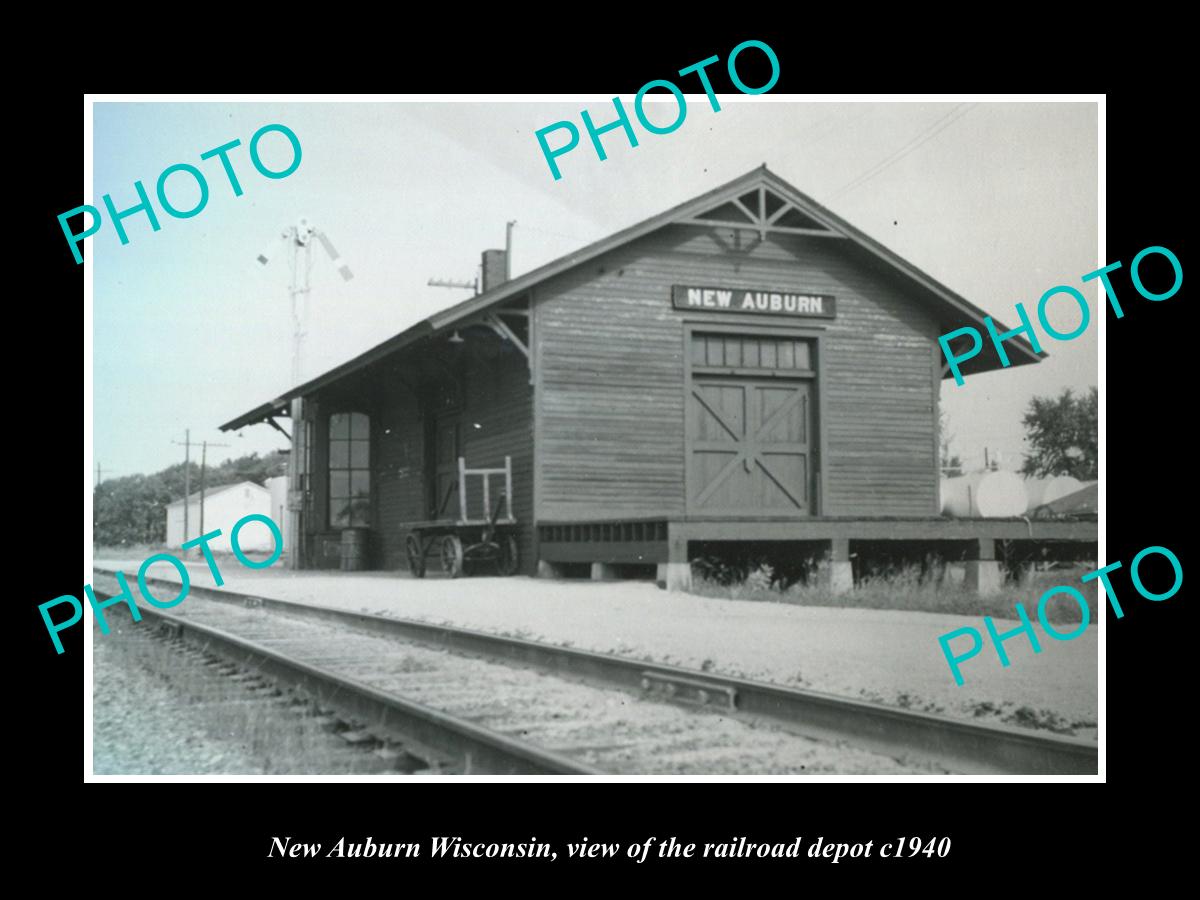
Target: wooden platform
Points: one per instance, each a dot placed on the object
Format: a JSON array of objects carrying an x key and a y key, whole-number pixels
[
  {"x": 664, "y": 542},
  {"x": 647, "y": 540},
  {"x": 886, "y": 529}
]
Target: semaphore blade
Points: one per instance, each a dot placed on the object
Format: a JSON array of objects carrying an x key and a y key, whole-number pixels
[{"x": 334, "y": 256}]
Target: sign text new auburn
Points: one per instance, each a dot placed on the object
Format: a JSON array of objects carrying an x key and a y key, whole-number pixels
[{"x": 741, "y": 300}]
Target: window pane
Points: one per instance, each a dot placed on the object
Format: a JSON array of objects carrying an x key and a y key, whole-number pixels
[
  {"x": 349, "y": 469},
  {"x": 698, "y": 345},
  {"x": 750, "y": 353},
  {"x": 803, "y": 360},
  {"x": 733, "y": 352},
  {"x": 787, "y": 355},
  {"x": 339, "y": 484},
  {"x": 716, "y": 351},
  {"x": 768, "y": 354}
]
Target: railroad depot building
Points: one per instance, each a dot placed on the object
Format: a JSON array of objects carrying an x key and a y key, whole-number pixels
[{"x": 746, "y": 366}]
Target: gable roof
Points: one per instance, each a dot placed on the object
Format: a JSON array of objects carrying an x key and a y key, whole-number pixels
[
  {"x": 209, "y": 493},
  {"x": 954, "y": 309}
]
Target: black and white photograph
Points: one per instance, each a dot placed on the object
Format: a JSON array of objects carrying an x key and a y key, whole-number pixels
[{"x": 443, "y": 438}]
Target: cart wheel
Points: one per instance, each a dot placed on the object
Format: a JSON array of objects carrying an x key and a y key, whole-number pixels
[
  {"x": 416, "y": 557},
  {"x": 507, "y": 559},
  {"x": 452, "y": 555}
]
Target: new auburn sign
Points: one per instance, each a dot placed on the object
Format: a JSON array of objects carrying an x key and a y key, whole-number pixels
[{"x": 740, "y": 300}]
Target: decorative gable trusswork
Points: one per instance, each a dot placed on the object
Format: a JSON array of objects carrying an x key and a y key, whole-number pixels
[{"x": 764, "y": 211}]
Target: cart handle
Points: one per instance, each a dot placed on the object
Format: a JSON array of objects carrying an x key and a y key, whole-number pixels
[
  {"x": 486, "y": 476},
  {"x": 496, "y": 512}
]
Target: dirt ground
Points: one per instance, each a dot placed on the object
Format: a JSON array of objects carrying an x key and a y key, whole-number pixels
[{"x": 890, "y": 656}]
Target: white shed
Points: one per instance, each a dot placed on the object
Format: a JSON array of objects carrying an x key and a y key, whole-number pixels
[{"x": 223, "y": 507}]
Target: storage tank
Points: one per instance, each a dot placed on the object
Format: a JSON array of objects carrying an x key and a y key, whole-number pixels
[
  {"x": 1035, "y": 487},
  {"x": 986, "y": 495}
]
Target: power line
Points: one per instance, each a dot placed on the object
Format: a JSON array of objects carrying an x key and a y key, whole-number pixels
[
  {"x": 896, "y": 154},
  {"x": 838, "y": 123},
  {"x": 203, "y": 465},
  {"x": 923, "y": 137}
]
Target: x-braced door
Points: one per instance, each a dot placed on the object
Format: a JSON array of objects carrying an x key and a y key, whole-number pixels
[{"x": 749, "y": 446}]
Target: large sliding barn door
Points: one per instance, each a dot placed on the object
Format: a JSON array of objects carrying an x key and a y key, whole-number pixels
[{"x": 749, "y": 437}]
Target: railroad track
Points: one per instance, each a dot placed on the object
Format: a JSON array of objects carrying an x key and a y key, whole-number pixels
[{"x": 456, "y": 693}]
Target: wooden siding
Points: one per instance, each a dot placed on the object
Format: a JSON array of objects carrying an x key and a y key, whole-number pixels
[
  {"x": 399, "y": 471},
  {"x": 610, "y": 410},
  {"x": 497, "y": 421}
]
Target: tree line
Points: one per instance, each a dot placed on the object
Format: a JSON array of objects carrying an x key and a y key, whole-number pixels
[{"x": 133, "y": 509}]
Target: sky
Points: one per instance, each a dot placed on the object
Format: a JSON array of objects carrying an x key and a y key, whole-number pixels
[{"x": 998, "y": 201}]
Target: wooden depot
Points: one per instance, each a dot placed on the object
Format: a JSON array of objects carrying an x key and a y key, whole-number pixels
[{"x": 746, "y": 366}]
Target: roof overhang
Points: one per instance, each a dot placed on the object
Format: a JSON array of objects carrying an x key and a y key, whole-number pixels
[
  {"x": 280, "y": 405},
  {"x": 259, "y": 414}
]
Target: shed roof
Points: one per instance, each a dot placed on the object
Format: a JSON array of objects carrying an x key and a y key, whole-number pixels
[
  {"x": 954, "y": 310},
  {"x": 1085, "y": 501},
  {"x": 209, "y": 493}
]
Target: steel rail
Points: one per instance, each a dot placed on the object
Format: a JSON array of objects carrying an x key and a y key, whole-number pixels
[
  {"x": 962, "y": 746},
  {"x": 422, "y": 729}
]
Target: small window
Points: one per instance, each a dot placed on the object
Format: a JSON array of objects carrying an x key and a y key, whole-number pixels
[
  {"x": 778, "y": 354},
  {"x": 349, "y": 470}
]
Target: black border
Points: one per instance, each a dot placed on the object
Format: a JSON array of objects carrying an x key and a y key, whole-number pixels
[{"x": 180, "y": 830}]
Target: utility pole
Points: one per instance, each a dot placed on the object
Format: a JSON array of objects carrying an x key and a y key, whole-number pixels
[
  {"x": 187, "y": 478},
  {"x": 203, "y": 464},
  {"x": 100, "y": 474}
]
